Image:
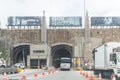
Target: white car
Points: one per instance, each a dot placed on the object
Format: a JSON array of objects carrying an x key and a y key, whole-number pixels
[{"x": 19, "y": 65}]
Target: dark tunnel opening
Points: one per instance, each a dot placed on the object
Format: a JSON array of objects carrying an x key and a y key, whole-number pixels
[
  {"x": 20, "y": 54},
  {"x": 59, "y": 52}
]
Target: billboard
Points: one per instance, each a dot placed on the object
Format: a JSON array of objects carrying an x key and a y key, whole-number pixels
[
  {"x": 24, "y": 21},
  {"x": 65, "y": 21},
  {"x": 105, "y": 21}
]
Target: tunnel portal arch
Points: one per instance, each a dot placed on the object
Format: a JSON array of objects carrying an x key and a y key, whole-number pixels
[
  {"x": 20, "y": 52},
  {"x": 60, "y": 50}
]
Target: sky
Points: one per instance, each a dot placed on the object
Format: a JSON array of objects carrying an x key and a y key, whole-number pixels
[{"x": 57, "y": 8}]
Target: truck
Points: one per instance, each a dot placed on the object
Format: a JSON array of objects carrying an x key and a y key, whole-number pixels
[
  {"x": 65, "y": 63},
  {"x": 107, "y": 60}
]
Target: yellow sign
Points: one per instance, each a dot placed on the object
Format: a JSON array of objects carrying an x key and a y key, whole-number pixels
[{"x": 77, "y": 61}]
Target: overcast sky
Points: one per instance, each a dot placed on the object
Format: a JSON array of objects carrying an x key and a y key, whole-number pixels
[{"x": 57, "y": 8}]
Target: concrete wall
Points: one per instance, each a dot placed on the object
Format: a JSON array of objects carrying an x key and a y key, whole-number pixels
[{"x": 43, "y": 52}]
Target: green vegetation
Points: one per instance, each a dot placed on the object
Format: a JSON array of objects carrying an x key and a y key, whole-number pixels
[{"x": 3, "y": 53}]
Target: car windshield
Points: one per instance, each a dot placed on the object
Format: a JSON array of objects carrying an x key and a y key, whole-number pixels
[{"x": 65, "y": 60}]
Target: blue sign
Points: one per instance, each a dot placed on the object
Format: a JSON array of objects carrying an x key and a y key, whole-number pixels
[
  {"x": 65, "y": 21},
  {"x": 24, "y": 21},
  {"x": 105, "y": 21}
]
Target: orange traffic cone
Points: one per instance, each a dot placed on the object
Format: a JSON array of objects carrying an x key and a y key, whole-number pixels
[
  {"x": 5, "y": 78},
  {"x": 35, "y": 75},
  {"x": 23, "y": 77},
  {"x": 99, "y": 77},
  {"x": 86, "y": 75},
  {"x": 52, "y": 71},
  {"x": 43, "y": 73},
  {"x": 48, "y": 71},
  {"x": 113, "y": 77},
  {"x": 91, "y": 77},
  {"x": 81, "y": 72}
]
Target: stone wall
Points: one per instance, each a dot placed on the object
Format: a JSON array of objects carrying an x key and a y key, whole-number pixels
[
  {"x": 72, "y": 36},
  {"x": 107, "y": 35},
  {"x": 59, "y": 35}
]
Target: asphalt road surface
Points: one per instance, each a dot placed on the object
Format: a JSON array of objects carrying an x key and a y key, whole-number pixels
[{"x": 37, "y": 74}]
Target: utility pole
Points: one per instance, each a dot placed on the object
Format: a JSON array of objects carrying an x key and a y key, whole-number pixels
[{"x": 87, "y": 41}]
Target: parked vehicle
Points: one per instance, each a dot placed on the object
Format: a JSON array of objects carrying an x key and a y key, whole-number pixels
[
  {"x": 2, "y": 63},
  {"x": 107, "y": 60},
  {"x": 88, "y": 66},
  {"x": 19, "y": 65}
]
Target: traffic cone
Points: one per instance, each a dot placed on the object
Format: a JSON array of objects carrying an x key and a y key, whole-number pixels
[
  {"x": 113, "y": 77},
  {"x": 35, "y": 75},
  {"x": 81, "y": 72},
  {"x": 5, "y": 78},
  {"x": 43, "y": 73},
  {"x": 52, "y": 71},
  {"x": 91, "y": 77},
  {"x": 86, "y": 75},
  {"x": 23, "y": 77},
  {"x": 48, "y": 71},
  {"x": 99, "y": 77}
]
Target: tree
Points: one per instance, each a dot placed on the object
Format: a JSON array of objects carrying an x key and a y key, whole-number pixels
[{"x": 4, "y": 54}]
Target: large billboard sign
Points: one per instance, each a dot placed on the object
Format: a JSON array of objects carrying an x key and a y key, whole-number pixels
[
  {"x": 65, "y": 21},
  {"x": 105, "y": 21},
  {"x": 24, "y": 21}
]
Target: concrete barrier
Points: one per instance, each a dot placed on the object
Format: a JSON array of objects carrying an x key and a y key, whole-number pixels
[{"x": 8, "y": 70}]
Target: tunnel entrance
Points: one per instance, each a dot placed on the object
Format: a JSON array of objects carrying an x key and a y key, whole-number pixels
[
  {"x": 59, "y": 51},
  {"x": 20, "y": 53}
]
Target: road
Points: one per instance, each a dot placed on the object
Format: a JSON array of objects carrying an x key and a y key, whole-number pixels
[
  {"x": 37, "y": 74},
  {"x": 66, "y": 75}
]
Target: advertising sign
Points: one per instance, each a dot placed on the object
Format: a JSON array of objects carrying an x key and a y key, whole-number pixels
[
  {"x": 105, "y": 21},
  {"x": 65, "y": 21},
  {"x": 24, "y": 21}
]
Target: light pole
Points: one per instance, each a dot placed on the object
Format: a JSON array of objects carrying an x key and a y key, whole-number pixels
[
  {"x": 23, "y": 56},
  {"x": 84, "y": 8},
  {"x": 84, "y": 26}
]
